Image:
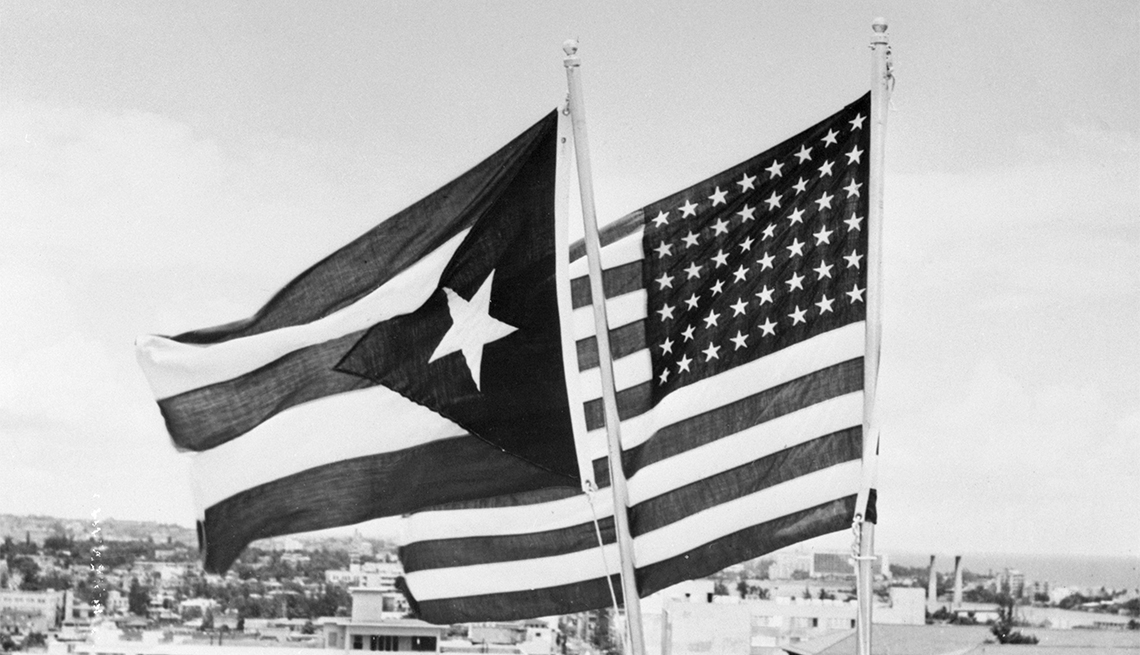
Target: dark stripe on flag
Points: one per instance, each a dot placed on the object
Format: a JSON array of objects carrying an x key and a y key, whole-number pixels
[
  {"x": 209, "y": 416},
  {"x": 652, "y": 514},
  {"x": 704, "y": 560},
  {"x": 634, "y": 401},
  {"x": 364, "y": 488},
  {"x": 619, "y": 229},
  {"x": 616, "y": 281},
  {"x": 746, "y": 544},
  {"x": 387, "y": 249},
  {"x": 815, "y": 387},
  {"x": 815, "y": 455},
  {"x": 624, "y": 340},
  {"x": 469, "y": 551},
  {"x": 563, "y": 599}
]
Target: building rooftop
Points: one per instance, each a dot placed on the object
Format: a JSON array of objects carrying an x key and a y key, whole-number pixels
[{"x": 971, "y": 640}]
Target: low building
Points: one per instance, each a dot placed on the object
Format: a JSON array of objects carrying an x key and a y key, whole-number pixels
[
  {"x": 687, "y": 619},
  {"x": 372, "y": 627},
  {"x": 39, "y": 608}
]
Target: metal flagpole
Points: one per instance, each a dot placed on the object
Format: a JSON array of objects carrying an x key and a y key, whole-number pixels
[
  {"x": 609, "y": 394},
  {"x": 880, "y": 95}
]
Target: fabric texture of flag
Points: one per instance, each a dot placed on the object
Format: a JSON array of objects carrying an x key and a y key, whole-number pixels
[
  {"x": 737, "y": 316},
  {"x": 423, "y": 363}
]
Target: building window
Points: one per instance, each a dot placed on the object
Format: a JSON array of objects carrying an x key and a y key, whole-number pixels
[
  {"x": 385, "y": 642},
  {"x": 423, "y": 643},
  {"x": 357, "y": 642}
]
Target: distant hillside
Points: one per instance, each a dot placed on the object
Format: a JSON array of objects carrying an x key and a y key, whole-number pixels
[{"x": 37, "y": 528}]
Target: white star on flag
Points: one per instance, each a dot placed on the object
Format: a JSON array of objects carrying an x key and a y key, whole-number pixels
[
  {"x": 746, "y": 181},
  {"x": 798, "y": 316},
  {"x": 472, "y": 327}
]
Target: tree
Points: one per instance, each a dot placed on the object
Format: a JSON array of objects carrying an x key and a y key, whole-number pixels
[
  {"x": 28, "y": 570},
  {"x": 208, "y": 621},
  {"x": 138, "y": 599},
  {"x": 1003, "y": 628},
  {"x": 742, "y": 588}
]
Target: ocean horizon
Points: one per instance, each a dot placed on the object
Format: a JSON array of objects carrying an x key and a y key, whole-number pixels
[{"x": 1082, "y": 571}]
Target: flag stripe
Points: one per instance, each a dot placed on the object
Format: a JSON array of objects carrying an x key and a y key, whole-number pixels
[
  {"x": 212, "y": 415},
  {"x": 627, "y": 229},
  {"x": 353, "y": 490},
  {"x": 625, "y": 278},
  {"x": 345, "y": 426},
  {"x": 685, "y": 498},
  {"x": 624, "y": 340},
  {"x": 713, "y": 490},
  {"x": 590, "y": 594},
  {"x": 173, "y": 367},
  {"x": 392, "y": 246},
  {"x": 620, "y": 310},
  {"x": 653, "y": 547},
  {"x": 744, "y": 544},
  {"x": 826, "y": 349},
  {"x": 845, "y": 379},
  {"x": 526, "y": 604},
  {"x": 629, "y": 372}
]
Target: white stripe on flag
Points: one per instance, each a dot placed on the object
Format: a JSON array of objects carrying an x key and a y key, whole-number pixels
[
  {"x": 515, "y": 575},
  {"x": 362, "y": 422},
  {"x": 746, "y": 446},
  {"x": 661, "y": 477},
  {"x": 629, "y": 371},
  {"x": 768, "y": 504},
  {"x": 625, "y": 250},
  {"x": 674, "y": 539},
  {"x": 566, "y": 512},
  {"x": 795, "y": 361},
  {"x": 620, "y": 310},
  {"x": 172, "y": 367}
]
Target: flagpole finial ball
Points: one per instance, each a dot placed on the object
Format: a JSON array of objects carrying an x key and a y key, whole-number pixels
[
  {"x": 570, "y": 47},
  {"x": 879, "y": 25}
]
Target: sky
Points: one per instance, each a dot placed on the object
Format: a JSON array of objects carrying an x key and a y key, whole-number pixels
[{"x": 168, "y": 166}]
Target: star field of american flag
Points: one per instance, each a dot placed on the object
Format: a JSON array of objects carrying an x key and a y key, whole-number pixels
[{"x": 762, "y": 256}]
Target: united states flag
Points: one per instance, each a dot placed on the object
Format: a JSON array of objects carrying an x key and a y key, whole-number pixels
[{"x": 736, "y": 311}]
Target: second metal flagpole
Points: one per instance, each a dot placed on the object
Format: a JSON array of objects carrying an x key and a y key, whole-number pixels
[
  {"x": 880, "y": 93},
  {"x": 601, "y": 324}
]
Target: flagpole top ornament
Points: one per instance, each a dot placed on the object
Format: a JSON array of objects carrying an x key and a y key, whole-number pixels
[
  {"x": 570, "y": 47},
  {"x": 879, "y": 38}
]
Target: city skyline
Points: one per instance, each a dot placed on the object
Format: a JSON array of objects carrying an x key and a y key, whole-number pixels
[{"x": 167, "y": 169}]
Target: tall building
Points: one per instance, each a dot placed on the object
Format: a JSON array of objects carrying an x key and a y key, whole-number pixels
[{"x": 1012, "y": 582}]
